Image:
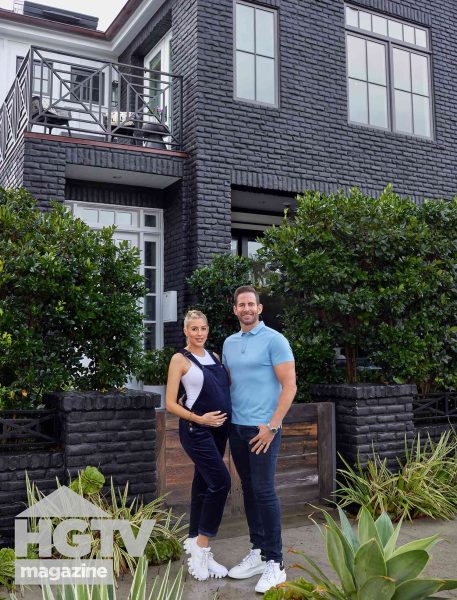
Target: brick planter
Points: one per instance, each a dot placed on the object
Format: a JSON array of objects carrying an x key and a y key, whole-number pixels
[
  {"x": 114, "y": 431},
  {"x": 370, "y": 417}
]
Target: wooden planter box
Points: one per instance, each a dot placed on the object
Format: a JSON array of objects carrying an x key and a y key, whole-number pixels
[
  {"x": 28, "y": 429},
  {"x": 306, "y": 464}
]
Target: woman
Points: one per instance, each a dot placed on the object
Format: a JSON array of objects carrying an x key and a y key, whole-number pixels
[{"x": 203, "y": 431}]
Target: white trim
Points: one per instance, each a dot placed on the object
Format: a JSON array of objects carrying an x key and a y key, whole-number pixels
[{"x": 154, "y": 234}]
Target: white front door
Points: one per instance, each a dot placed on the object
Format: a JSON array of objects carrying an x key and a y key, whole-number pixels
[
  {"x": 141, "y": 228},
  {"x": 158, "y": 85}
]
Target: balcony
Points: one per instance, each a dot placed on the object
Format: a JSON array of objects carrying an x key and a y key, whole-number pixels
[{"x": 78, "y": 97}]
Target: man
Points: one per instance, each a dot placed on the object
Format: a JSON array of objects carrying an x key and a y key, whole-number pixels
[{"x": 262, "y": 371}]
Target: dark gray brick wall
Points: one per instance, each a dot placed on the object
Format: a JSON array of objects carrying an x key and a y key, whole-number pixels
[
  {"x": 370, "y": 417},
  {"x": 114, "y": 432},
  {"x": 306, "y": 142}
]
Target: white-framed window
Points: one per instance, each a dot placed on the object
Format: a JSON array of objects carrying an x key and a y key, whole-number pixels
[
  {"x": 41, "y": 76},
  {"x": 142, "y": 228},
  {"x": 388, "y": 73},
  {"x": 256, "y": 53},
  {"x": 87, "y": 84}
]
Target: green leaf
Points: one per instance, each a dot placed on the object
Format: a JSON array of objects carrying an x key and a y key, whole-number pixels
[
  {"x": 347, "y": 530},
  {"x": 416, "y": 590},
  {"x": 448, "y": 584},
  {"x": 384, "y": 528},
  {"x": 422, "y": 544},
  {"x": 377, "y": 588},
  {"x": 407, "y": 565},
  {"x": 389, "y": 548},
  {"x": 367, "y": 527},
  {"x": 335, "y": 553},
  {"x": 369, "y": 562}
]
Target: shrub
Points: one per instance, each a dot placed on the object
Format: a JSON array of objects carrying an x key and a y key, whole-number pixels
[
  {"x": 66, "y": 292},
  {"x": 370, "y": 566},
  {"x": 165, "y": 540},
  {"x": 213, "y": 287},
  {"x": 154, "y": 366},
  {"x": 7, "y": 558},
  {"x": 307, "y": 591},
  {"x": 371, "y": 273},
  {"x": 425, "y": 483}
]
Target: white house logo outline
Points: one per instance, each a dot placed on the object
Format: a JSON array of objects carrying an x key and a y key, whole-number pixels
[{"x": 64, "y": 503}]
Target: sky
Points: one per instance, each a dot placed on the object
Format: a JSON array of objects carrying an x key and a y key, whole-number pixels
[{"x": 105, "y": 10}]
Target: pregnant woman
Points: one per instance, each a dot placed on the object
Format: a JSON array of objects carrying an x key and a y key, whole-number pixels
[{"x": 203, "y": 431}]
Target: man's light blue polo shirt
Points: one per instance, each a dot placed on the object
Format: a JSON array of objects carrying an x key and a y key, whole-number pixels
[{"x": 250, "y": 357}]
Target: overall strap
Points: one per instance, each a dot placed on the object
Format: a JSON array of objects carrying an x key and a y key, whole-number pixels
[
  {"x": 191, "y": 357},
  {"x": 214, "y": 357}
]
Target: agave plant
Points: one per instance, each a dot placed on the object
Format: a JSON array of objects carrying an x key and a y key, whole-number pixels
[
  {"x": 369, "y": 565},
  {"x": 161, "y": 589}
]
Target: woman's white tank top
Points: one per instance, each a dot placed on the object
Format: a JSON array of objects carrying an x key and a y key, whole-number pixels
[{"x": 193, "y": 379}]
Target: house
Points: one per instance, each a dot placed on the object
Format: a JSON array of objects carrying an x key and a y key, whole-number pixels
[{"x": 192, "y": 124}]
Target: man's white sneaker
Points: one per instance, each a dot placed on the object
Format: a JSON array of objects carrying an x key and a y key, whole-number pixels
[
  {"x": 215, "y": 569},
  {"x": 198, "y": 562},
  {"x": 252, "y": 564},
  {"x": 273, "y": 574}
]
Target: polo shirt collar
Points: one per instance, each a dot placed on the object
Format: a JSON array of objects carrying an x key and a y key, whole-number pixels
[{"x": 254, "y": 331}]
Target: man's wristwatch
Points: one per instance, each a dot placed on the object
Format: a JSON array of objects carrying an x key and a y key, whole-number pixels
[{"x": 274, "y": 430}]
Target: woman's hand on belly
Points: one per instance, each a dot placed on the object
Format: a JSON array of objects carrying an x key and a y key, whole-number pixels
[{"x": 212, "y": 419}]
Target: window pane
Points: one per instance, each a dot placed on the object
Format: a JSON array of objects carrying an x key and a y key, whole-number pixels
[
  {"x": 421, "y": 109},
  {"x": 123, "y": 218},
  {"x": 106, "y": 217},
  {"x": 403, "y": 112},
  {"x": 264, "y": 33},
  {"x": 150, "y": 338},
  {"x": 357, "y": 64},
  {"x": 421, "y": 38},
  {"x": 150, "y": 308},
  {"x": 245, "y": 76},
  {"x": 244, "y": 28},
  {"x": 378, "y": 105},
  {"x": 419, "y": 70},
  {"x": 365, "y": 20},
  {"x": 265, "y": 84},
  {"x": 408, "y": 34},
  {"x": 352, "y": 17},
  {"x": 150, "y": 254},
  {"x": 376, "y": 63},
  {"x": 380, "y": 25},
  {"x": 358, "y": 105},
  {"x": 88, "y": 215},
  {"x": 150, "y": 221},
  {"x": 402, "y": 74},
  {"x": 150, "y": 280},
  {"x": 395, "y": 30},
  {"x": 253, "y": 248},
  {"x": 234, "y": 247}
]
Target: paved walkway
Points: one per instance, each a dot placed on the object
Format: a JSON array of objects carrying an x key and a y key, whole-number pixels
[{"x": 301, "y": 534}]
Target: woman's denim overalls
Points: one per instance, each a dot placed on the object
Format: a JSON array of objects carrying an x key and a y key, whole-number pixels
[{"x": 206, "y": 447}]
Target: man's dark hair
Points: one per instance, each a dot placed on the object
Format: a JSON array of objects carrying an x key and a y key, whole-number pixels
[{"x": 243, "y": 289}]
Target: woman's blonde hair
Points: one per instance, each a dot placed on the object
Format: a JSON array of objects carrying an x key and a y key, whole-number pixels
[{"x": 194, "y": 314}]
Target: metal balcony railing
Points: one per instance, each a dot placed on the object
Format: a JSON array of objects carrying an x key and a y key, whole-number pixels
[{"x": 71, "y": 95}]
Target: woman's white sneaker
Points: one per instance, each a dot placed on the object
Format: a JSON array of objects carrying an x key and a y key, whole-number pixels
[
  {"x": 198, "y": 562},
  {"x": 252, "y": 564},
  {"x": 215, "y": 569},
  {"x": 273, "y": 574}
]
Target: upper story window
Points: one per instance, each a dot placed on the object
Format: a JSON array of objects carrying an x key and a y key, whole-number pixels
[
  {"x": 256, "y": 54},
  {"x": 87, "y": 84},
  {"x": 388, "y": 70},
  {"x": 41, "y": 75}
]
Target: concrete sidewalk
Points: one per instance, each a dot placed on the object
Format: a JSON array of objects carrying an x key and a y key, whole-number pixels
[{"x": 300, "y": 534}]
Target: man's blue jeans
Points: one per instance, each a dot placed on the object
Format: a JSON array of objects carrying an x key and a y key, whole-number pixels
[{"x": 257, "y": 474}]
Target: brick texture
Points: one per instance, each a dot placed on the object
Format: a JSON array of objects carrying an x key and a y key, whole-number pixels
[{"x": 114, "y": 432}]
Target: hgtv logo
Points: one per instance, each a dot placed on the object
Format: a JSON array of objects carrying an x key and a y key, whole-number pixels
[{"x": 65, "y": 523}]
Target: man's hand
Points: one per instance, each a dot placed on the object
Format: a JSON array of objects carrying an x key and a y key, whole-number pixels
[{"x": 261, "y": 442}]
